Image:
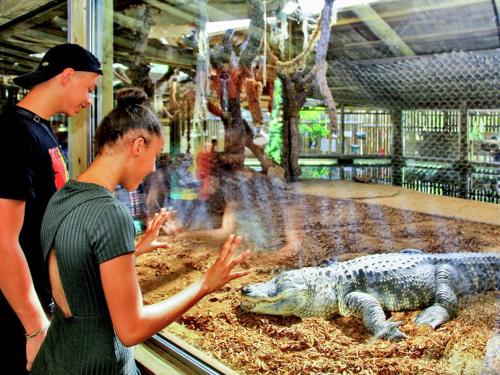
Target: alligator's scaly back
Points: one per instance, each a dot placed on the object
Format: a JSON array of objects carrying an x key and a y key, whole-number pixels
[{"x": 476, "y": 272}]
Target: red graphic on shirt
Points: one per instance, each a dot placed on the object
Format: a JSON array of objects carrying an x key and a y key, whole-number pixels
[{"x": 59, "y": 166}]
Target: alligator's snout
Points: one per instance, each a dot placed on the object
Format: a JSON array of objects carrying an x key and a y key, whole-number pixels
[{"x": 246, "y": 290}]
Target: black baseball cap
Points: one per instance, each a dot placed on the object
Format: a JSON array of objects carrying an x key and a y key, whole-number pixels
[{"x": 56, "y": 60}]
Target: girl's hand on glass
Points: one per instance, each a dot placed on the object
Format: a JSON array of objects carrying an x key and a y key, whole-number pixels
[
  {"x": 149, "y": 241},
  {"x": 220, "y": 272}
]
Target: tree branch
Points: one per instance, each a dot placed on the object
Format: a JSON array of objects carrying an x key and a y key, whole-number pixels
[{"x": 255, "y": 32}]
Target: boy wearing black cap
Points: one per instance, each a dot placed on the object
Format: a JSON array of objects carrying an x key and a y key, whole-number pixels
[{"x": 33, "y": 169}]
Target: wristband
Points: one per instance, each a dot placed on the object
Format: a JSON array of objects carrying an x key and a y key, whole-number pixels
[{"x": 36, "y": 333}]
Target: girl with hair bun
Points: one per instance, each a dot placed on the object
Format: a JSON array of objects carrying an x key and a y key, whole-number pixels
[{"x": 88, "y": 244}]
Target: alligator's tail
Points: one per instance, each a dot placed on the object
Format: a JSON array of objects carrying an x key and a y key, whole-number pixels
[{"x": 476, "y": 272}]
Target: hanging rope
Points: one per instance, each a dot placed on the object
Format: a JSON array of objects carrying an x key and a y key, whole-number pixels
[
  {"x": 305, "y": 30},
  {"x": 200, "y": 112},
  {"x": 264, "y": 59},
  {"x": 288, "y": 67}
]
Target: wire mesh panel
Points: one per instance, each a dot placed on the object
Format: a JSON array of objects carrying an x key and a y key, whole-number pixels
[
  {"x": 432, "y": 180},
  {"x": 377, "y": 173},
  {"x": 484, "y": 185},
  {"x": 437, "y": 81},
  {"x": 484, "y": 136},
  {"x": 431, "y": 134}
]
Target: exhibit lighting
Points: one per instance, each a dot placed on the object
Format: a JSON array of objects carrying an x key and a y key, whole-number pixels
[
  {"x": 290, "y": 7},
  {"x": 316, "y": 6},
  {"x": 221, "y": 26}
]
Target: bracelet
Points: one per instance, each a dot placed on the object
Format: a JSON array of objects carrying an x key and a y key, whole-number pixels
[{"x": 35, "y": 333}]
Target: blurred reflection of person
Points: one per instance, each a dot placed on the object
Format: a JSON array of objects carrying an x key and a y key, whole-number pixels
[
  {"x": 157, "y": 186},
  {"x": 204, "y": 167}
]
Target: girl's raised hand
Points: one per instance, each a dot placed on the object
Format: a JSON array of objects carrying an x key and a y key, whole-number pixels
[{"x": 220, "y": 272}]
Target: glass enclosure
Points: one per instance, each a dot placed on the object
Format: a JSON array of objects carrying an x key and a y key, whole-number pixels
[{"x": 295, "y": 138}]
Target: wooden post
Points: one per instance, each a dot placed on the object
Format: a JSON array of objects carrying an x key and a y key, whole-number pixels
[
  {"x": 341, "y": 138},
  {"x": 397, "y": 147},
  {"x": 78, "y": 133},
  {"x": 342, "y": 129},
  {"x": 107, "y": 57},
  {"x": 463, "y": 166}
]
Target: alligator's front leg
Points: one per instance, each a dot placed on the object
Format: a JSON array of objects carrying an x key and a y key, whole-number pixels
[
  {"x": 446, "y": 304},
  {"x": 366, "y": 307}
]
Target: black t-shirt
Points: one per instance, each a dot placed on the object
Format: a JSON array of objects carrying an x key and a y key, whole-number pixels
[{"x": 33, "y": 168}]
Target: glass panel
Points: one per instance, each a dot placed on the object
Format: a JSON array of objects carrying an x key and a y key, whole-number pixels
[{"x": 415, "y": 88}]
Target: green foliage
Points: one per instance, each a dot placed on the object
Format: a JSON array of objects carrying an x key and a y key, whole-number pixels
[
  {"x": 316, "y": 172},
  {"x": 477, "y": 130},
  {"x": 273, "y": 149},
  {"x": 314, "y": 130},
  {"x": 313, "y": 123}
]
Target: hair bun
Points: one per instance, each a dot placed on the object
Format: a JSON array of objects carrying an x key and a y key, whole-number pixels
[{"x": 131, "y": 96}]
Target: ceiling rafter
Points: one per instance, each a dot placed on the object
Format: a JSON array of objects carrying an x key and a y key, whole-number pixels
[{"x": 382, "y": 30}]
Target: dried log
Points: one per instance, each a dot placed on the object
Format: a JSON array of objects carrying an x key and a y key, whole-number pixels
[
  {"x": 322, "y": 65},
  {"x": 227, "y": 82}
]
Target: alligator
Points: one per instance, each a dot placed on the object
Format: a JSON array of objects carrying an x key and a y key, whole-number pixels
[{"x": 368, "y": 286}]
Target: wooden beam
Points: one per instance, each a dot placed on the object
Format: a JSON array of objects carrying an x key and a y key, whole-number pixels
[
  {"x": 16, "y": 63},
  {"x": 79, "y": 127},
  {"x": 10, "y": 9},
  {"x": 29, "y": 20},
  {"x": 166, "y": 55},
  {"x": 497, "y": 15},
  {"x": 126, "y": 21},
  {"x": 391, "y": 60},
  {"x": 382, "y": 30},
  {"x": 480, "y": 31},
  {"x": 422, "y": 8},
  {"x": 12, "y": 70},
  {"x": 41, "y": 37},
  {"x": 6, "y": 50},
  {"x": 171, "y": 10},
  {"x": 170, "y": 31}
]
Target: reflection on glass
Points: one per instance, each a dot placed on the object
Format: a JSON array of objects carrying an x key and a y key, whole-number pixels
[{"x": 414, "y": 85}]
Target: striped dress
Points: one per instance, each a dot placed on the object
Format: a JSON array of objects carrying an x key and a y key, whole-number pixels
[{"x": 86, "y": 226}]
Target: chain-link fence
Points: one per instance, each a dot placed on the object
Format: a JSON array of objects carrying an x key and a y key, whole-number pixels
[
  {"x": 380, "y": 174},
  {"x": 432, "y": 180}
]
